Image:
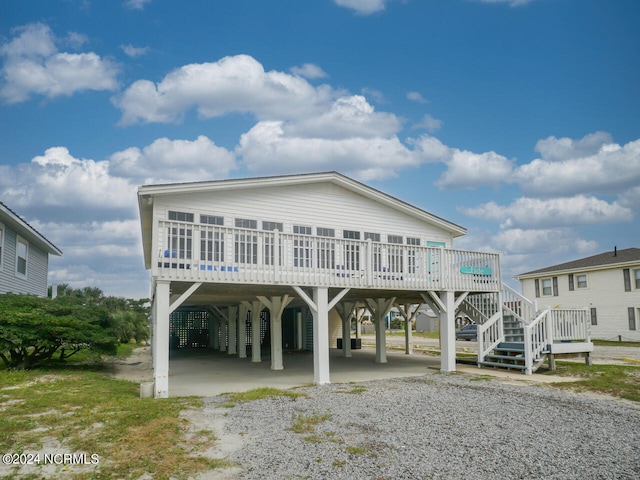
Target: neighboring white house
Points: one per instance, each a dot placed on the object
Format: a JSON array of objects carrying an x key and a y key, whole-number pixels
[
  {"x": 608, "y": 284},
  {"x": 310, "y": 249},
  {"x": 24, "y": 255}
]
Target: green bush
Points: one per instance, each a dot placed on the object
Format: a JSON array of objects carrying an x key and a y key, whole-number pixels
[{"x": 34, "y": 329}]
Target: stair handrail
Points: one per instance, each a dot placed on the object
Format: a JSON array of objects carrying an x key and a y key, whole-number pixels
[
  {"x": 469, "y": 307},
  {"x": 517, "y": 305},
  {"x": 491, "y": 334},
  {"x": 537, "y": 336}
]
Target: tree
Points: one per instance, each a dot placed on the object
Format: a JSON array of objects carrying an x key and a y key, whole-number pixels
[
  {"x": 33, "y": 329},
  {"x": 129, "y": 324}
]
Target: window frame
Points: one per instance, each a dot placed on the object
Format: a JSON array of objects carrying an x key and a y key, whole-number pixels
[
  {"x": 636, "y": 278},
  {"x": 247, "y": 223},
  {"x": 179, "y": 216},
  {"x": 19, "y": 241},
  {"x": 211, "y": 219},
  {"x": 543, "y": 287},
  {"x": 580, "y": 284}
]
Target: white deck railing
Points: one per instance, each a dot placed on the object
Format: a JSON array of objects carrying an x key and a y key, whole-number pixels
[
  {"x": 520, "y": 307},
  {"x": 210, "y": 253}
]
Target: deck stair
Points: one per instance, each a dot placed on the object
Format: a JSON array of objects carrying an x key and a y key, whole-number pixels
[{"x": 514, "y": 335}]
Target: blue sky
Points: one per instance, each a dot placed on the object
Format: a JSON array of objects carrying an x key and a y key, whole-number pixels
[{"x": 517, "y": 119}]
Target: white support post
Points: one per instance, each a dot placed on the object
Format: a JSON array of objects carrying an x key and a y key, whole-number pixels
[
  {"x": 321, "y": 336},
  {"x": 380, "y": 307},
  {"x": 242, "y": 331},
  {"x": 161, "y": 339},
  {"x": 276, "y": 306},
  {"x": 233, "y": 329},
  {"x": 447, "y": 332}
]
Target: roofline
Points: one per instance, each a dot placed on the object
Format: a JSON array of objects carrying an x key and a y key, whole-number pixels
[
  {"x": 145, "y": 191},
  {"x": 547, "y": 273},
  {"x": 50, "y": 247}
]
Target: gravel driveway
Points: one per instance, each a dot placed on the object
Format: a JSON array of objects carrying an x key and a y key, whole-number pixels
[{"x": 438, "y": 426}]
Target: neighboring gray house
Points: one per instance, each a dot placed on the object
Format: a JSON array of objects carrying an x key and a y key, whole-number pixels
[
  {"x": 24, "y": 255},
  {"x": 607, "y": 284}
]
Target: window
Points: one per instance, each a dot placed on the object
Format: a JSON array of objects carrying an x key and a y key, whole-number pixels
[
  {"x": 636, "y": 276},
  {"x": 246, "y": 247},
  {"x": 301, "y": 230},
  {"x": 351, "y": 234},
  {"x": 22, "y": 249},
  {"x": 413, "y": 241},
  {"x": 632, "y": 318},
  {"x": 626, "y": 275},
  {"x": 582, "y": 281},
  {"x": 245, "y": 223},
  {"x": 325, "y": 232},
  {"x": 412, "y": 254},
  {"x": 180, "y": 243},
  {"x": 594, "y": 316},
  {"x": 211, "y": 220},
  {"x": 271, "y": 226},
  {"x": 211, "y": 246},
  {"x": 549, "y": 287},
  {"x": 394, "y": 254},
  {"x": 301, "y": 247},
  {"x": 180, "y": 216},
  {"x": 373, "y": 236},
  {"x": 394, "y": 239}
]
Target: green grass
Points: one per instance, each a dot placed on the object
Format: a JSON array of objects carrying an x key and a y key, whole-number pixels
[
  {"x": 614, "y": 343},
  {"x": 307, "y": 423},
  {"x": 89, "y": 412},
  {"x": 617, "y": 380},
  {"x": 435, "y": 335},
  {"x": 259, "y": 394}
]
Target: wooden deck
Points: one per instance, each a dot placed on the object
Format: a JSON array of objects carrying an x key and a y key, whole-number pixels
[{"x": 215, "y": 254}]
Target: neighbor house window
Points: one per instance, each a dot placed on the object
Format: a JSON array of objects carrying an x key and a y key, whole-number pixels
[
  {"x": 632, "y": 318},
  {"x": 180, "y": 216},
  {"x": 546, "y": 287},
  {"x": 211, "y": 220},
  {"x": 636, "y": 276},
  {"x": 594, "y": 316},
  {"x": 22, "y": 249},
  {"x": 582, "y": 281}
]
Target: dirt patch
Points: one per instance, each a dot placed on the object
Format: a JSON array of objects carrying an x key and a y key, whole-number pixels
[{"x": 136, "y": 368}]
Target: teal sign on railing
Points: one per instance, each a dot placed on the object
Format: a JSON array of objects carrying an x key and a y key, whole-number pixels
[{"x": 473, "y": 270}]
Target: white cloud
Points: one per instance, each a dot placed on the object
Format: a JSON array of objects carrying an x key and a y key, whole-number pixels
[
  {"x": 136, "y": 4},
  {"x": 428, "y": 123},
  {"x": 593, "y": 164},
  {"x": 134, "y": 52},
  {"x": 166, "y": 161},
  {"x": 309, "y": 70},
  {"x": 511, "y": 3},
  {"x": 363, "y": 7},
  {"x": 417, "y": 97},
  {"x": 33, "y": 65},
  {"x": 533, "y": 213},
  {"x": 266, "y": 149},
  {"x": 470, "y": 170}
]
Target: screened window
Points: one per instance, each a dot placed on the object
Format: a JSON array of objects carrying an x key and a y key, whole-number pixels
[
  {"x": 246, "y": 223},
  {"x": 301, "y": 230},
  {"x": 180, "y": 216},
  {"x": 326, "y": 232},
  {"x": 211, "y": 220},
  {"x": 212, "y": 246},
  {"x": 22, "y": 249},
  {"x": 271, "y": 226},
  {"x": 373, "y": 236}
]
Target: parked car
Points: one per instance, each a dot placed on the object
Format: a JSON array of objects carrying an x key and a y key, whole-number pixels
[{"x": 468, "y": 332}]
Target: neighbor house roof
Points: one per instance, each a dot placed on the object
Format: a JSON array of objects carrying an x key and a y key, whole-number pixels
[
  {"x": 147, "y": 192},
  {"x": 614, "y": 258},
  {"x": 20, "y": 226}
]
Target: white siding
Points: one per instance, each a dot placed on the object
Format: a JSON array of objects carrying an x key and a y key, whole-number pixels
[
  {"x": 317, "y": 205},
  {"x": 604, "y": 292},
  {"x": 35, "y": 282}
]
